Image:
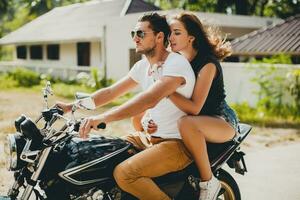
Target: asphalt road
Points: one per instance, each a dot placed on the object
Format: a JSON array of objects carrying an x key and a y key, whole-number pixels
[{"x": 273, "y": 174}]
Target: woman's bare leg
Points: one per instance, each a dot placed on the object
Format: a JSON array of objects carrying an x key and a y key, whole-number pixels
[{"x": 196, "y": 130}]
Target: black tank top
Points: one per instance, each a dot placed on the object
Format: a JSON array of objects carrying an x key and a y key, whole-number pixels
[{"x": 217, "y": 92}]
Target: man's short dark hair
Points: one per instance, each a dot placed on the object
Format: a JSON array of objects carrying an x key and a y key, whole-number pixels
[{"x": 158, "y": 23}]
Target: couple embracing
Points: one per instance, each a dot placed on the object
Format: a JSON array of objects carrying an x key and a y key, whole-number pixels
[{"x": 183, "y": 99}]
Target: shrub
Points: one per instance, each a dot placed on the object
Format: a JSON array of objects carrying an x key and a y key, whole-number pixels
[
  {"x": 294, "y": 88},
  {"x": 7, "y": 82},
  {"x": 257, "y": 116},
  {"x": 95, "y": 75},
  {"x": 68, "y": 91},
  {"x": 276, "y": 93},
  {"x": 25, "y": 77},
  {"x": 99, "y": 80}
]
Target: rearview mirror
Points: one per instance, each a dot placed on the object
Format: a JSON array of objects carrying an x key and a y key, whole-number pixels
[
  {"x": 81, "y": 95},
  {"x": 86, "y": 103}
]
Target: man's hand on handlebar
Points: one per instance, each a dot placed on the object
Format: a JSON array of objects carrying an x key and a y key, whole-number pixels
[
  {"x": 66, "y": 107},
  {"x": 93, "y": 122}
]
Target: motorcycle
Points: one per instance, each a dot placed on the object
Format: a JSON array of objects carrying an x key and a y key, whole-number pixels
[{"x": 52, "y": 162}]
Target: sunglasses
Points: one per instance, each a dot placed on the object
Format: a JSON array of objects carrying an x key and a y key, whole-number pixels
[{"x": 139, "y": 33}]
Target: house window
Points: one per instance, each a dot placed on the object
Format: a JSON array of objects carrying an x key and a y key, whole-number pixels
[
  {"x": 36, "y": 52},
  {"x": 53, "y": 52},
  {"x": 83, "y": 54},
  {"x": 21, "y": 52},
  {"x": 295, "y": 59},
  {"x": 133, "y": 57}
]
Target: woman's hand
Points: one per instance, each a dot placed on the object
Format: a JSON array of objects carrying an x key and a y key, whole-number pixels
[{"x": 152, "y": 127}]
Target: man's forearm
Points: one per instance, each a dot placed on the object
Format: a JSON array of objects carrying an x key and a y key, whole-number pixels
[
  {"x": 103, "y": 96},
  {"x": 106, "y": 95},
  {"x": 145, "y": 100}
]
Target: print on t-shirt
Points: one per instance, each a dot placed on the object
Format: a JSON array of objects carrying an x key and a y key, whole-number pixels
[{"x": 155, "y": 71}]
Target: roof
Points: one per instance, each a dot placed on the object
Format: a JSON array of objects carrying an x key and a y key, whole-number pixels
[
  {"x": 136, "y": 6},
  {"x": 280, "y": 38},
  {"x": 80, "y": 21},
  {"x": 85, "y": 21}
]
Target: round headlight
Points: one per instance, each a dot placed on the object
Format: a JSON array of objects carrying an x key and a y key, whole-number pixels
[{"x": 13, "y": 148}]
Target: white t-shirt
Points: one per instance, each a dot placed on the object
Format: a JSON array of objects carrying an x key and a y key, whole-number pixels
[{"x": 165, "y": 114}]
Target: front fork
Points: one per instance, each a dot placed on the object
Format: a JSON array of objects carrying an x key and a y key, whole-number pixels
[{"x": 13, "y": 192}]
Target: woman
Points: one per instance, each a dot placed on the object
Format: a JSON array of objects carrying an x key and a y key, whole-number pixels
[{"x": 209, "y": 118}]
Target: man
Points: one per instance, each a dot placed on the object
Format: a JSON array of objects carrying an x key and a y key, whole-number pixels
[{"x": 167, "y": 154}]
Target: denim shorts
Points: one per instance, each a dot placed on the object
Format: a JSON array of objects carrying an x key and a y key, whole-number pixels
[
  {"x": 226, "y": 113},
  {"x": 229, "y": 115}
]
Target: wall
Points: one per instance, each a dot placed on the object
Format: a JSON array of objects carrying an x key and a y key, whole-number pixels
[
  {"x": 96, "y": 58},
  {"x": 118, "y": 43},
  {"x": 238, "y": 81}
]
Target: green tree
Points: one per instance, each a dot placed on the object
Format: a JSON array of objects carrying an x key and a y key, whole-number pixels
[
  {"x": 272, "y": 8},
  {"x": 281, "y": 8},
  {"x": 39, "y": 7},
  {"x": 3, "y": 7}
]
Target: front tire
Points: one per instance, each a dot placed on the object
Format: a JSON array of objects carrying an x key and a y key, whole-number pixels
[{"x": 229, "y": 188}]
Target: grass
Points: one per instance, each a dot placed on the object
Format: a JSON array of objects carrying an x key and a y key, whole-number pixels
[
  {"x": 257, "y": 117},
  {"x": 68, "y": 91},
  {"x": 59, "y": 89}
]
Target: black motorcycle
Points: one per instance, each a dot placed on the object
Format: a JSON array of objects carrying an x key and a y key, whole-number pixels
[{"x": 50, "y": 161}]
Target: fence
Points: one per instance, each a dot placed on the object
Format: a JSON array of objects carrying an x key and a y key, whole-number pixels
[{"x": 58, "y": 71}]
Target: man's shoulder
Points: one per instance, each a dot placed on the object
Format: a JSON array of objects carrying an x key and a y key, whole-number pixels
[
  {"x": 139, "y": 65},
  {"x": 137, "y": 69},
  {"x": 177, "y": 59},
  {"x": 174, "y": 55},
  {"x": 143, "y": 61}
]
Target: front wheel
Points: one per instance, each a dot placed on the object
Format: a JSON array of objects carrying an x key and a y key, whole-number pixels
[{"x": 229, "y": 188}]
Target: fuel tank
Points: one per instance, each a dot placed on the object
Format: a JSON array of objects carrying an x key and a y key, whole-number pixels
[{"x": 83, "y": 162}]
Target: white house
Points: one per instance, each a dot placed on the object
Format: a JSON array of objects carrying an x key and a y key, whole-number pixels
[
  {"x": 74, "y": 38},
  {"x": 96, "y": 34}
]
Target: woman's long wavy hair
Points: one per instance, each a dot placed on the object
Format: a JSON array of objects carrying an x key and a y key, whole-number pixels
[{"x": 208, "y": 39}]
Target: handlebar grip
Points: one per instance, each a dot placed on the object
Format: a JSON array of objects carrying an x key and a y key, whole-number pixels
[{"x": 102, "y": 125}]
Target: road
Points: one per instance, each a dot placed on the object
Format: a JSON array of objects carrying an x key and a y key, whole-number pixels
[{"x": 273, "y": 173}]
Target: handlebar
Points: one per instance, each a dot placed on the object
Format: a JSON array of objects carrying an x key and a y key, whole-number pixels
[{"x": 102, "y": 125}]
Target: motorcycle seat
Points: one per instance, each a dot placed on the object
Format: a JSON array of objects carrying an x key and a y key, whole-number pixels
[{"x": 217, "y": 153}]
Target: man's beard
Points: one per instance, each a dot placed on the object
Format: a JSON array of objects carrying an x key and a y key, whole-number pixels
[{"x": 150, "y": 52}]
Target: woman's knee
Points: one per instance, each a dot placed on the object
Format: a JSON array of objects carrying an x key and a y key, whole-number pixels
[
  {"x": 183, "y": 122},
  {"x": 186, "y": 123},
  {"x": 188, "y": 126}
]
